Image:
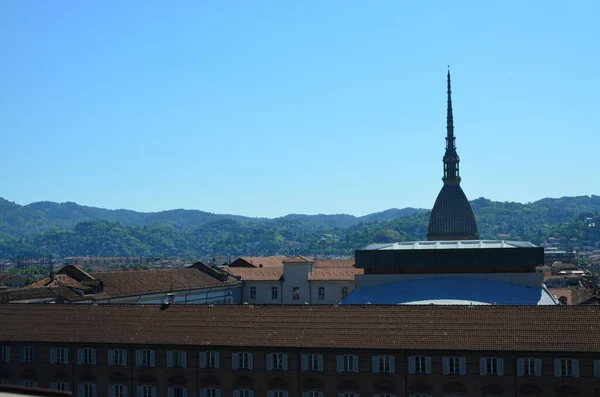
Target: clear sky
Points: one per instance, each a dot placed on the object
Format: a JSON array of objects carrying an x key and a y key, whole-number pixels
[{"x": 264, "y": 108}]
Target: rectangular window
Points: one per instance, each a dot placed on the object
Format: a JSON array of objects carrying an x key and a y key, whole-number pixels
[
  {"x": 454, "y": 366},
  {"x": 491, "y": 366},
  {"x": 209, "y": 359},
  {"x": 421, "y": 365},
  {"x": 27, "y": 354},
  {"x": 59, "y": 355},
  {"x": 596, "y": 368},
  {"x": 529, "y": 367},
  {"x": 177, "y": 391},
  {"x": 312, "y": 362},
  {"x": 347, "y": 363},
  {"x": 386, "y": 364},
  {"x": 313, "y": 394},
  {"x": 252, "y": 292},
  {"x": 277, "y": 393},
  {"x": 176, "y": 359},
  {"x": 348, "y": 395},
  {"x": 86, "y": 356},
  {"x": 117, "y": 357},
  {"x": 145, "y": 358},
  {"x": 4, "y": 354},
  {"x": 117, "y": 391},
  {"x": 274, "y": 293},
  {"x": 321, "y": 293},
  {"x": 277, "y": 361},
  {"x": 62, "y": 386},
  {"x": 344, "y": 292},
  {"x": 242, "y": 361},
  {"x": 210, "y": 392},
  {"x": 296, "y": 293},
  {"x": 146, "y": 391},
  {"x": 567, "y": 367},
  {"x": 243, "y": 393},
  {"x": 28, "y": 383},
  {"x": 87, "y": 390}
]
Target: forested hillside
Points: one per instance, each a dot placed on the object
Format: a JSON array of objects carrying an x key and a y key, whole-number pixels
[{"x": 72, "y": 230}]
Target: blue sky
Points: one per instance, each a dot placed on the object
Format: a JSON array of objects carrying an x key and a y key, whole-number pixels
[{"x": 265, "y": 108}]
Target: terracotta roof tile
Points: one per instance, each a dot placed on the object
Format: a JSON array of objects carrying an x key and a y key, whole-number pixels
[
  {"x": 451, "y": 328},
  {"x": 335, "y": 270},
  {"x": 298, "y": 259},
  {"x": 259, "y": 261},
  {"x": 256, "y": 274}
]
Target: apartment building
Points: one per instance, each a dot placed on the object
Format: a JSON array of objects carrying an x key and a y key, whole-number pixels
[{"x": 304, "y": 351}]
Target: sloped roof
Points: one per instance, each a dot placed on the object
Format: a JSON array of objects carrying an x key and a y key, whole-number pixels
[
  {"x": 335, "y": 270},
  {"x": 452, "y": 217},
  {"x": 430, "y": 327},
  {"x": 298, "y": 259},
  {"x": 256, "y": 273},
  {"x": 259, "y": 261}
]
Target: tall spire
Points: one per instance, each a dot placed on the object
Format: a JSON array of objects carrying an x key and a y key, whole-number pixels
[{"x": 451, "y": 159}]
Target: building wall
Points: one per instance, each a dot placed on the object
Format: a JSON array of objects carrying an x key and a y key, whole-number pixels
[
  {"x": 294, "y": 379},
  {"x": 529, "y": 279},
  {"x": 333, "y": 291},
  {"x": 296, "y": 275},
  {"x": 263, "y": 292}
]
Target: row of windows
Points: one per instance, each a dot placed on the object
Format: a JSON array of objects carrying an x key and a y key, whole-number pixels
[
  {"x": 563, "y": 367},
  {"x": 296, "y": 293}
]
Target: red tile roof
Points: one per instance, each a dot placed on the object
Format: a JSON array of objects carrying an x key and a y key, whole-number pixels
[
  {"x": 298, "y": 259},
  {"x": 335, "y": 270},
  {"x": 259, "y": 261},
  {"x": 453, "y": 328},
  {"x": 256, "y": 273}
]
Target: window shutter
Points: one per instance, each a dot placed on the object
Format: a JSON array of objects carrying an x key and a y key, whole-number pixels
[
  {"x": 250, "y": 361},
  {"x": 285, "y": 362},
  {"x": 538, "y": 367},
  {"x": 236, "y": 393},
  {"x": 218, "y": 392},
  {"x": 376, "y": 395},
  {"x": 183, "y": 362},
  {"x": 557, "y": 372},
  {"x": 235, "y": 360},
  {"x": 446, "y": 365},
  {"x": 304, "y": 394},
  {"x": 80, "y": 390},
  {"x": 125, "y": 390},
  {"x": 575, "y": 364},
  {"x": 33, "y": 354},
  {"x": 355, "y": 364},
  {"x": 320, "y": 362},
  {"x": 153, "y": 390},
  {"x": 269, "y": 362},
  {"x": 270, "y": 394},
  {"x": 428, "y": 365},
  {"x": 184, "y": 392},
  {"x": 94, "y": 357},
  {"x": 463, "y": 365},
  {"x": 79, "y": 356},
  {"x": 152, "y": 358},
  {"x": 7, "y": 352},
  {"x": 411, "y": 365},
  {"x": 124, "y": 355},
  {"x": 340, "y": 394},
  {"x": 94, "y": 390},
  {"x": 596, "y": 368},
  {"x": 285, "y": 394},
  {"x": 500, "y": 366},
  {"x": 203, "y": 393},
  {"x": 304, "y": 362},
  {"x": 340, "y": 363},
  {"x": 520, "y": 367},
  {"x": 171, "y": 392},
  {"x": 392, "y": 364},
  {"x": 217, "y": 359},
  {"x": 375, "y": 364},
  {"x": 251, "y": 393},
  {"x": 138, "y": 358},
  {"x": 139, "y": 391},
  {"x": 321, "y": 394},
  {"x": 170, "y": 359},
  {"x": 111, "y": 357},
  {"x": 112, "y": 390},
  {"x": 53, "y": 355},
  {"x": 203, "y": 359},
  {"x": 482, "y": 366},
  {"x": 53, "y": 385}
]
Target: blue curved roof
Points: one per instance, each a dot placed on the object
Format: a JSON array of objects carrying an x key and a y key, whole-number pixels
[{"x": 451, "y": 290}]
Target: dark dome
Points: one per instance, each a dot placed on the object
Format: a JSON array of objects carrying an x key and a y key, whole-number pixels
[{"x": 452, "y": 217}]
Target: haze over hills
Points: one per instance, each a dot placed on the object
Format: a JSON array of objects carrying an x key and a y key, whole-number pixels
[{"x": 69, "y": 229}]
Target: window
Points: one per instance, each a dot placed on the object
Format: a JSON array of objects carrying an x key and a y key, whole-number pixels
[
  {"x": 277, "y": 393},
  {"x": 419, "y": 365},
  {"x": 491, "y": 366},
  {"x": 87, "y": 390},
  {"x": 564, "y": 367},
  {"x": 28, "y": 383},
  {"x": 296, "y": 293},
  {"x": 252, "y": 292},
  {"x": 210, "y": 392},
  {"x": 243, "y": 393},
  {"x": 596, "y": 368},
  {"x": 321, "y": 293},
  {"x": 4, "y": 354},
  {"x": 347, "y": 363},
  {"x": 145, "y": 358},
  {"x": 348, "y": 395},
  {"x": 176, "y": 359},
  {"x": 242, "y": 361},
  {"x": 86, "y": 356},
  {"x": 529, "y": 367},
  {"x": 274, "y": 293},
  {"x": 117, "y": 391},
  {"x": 59, "y": 355},
  {"x": 277, "y": 361},
  {"x": 27, "y": 354},
  {"x": 117, "y": 357},
  {"x": 62, "y": 386},
  {"x": 313, "y": 394},
  {"x": 209, "y": 359},
  {"x": 384, "y": 364},
  {"x": 454, "y": 365},
  {"x": 146, "y": 391},
  {"x": 312, "y": 362},
  {"x": 177, "y": 391},
  {"x": 344, "y": 292}
]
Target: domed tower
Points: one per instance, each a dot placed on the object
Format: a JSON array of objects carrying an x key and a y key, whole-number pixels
[{"x": 452, "y": 217}]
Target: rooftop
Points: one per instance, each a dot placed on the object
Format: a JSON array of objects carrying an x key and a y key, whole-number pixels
[
  {"x": 456, "y": 244},
  {"x": 430, "y": 327}
]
